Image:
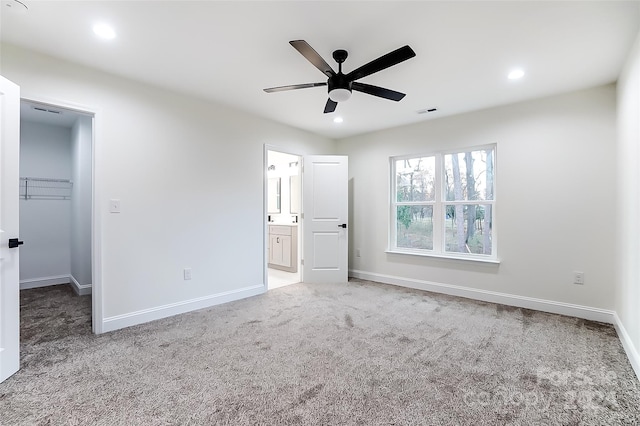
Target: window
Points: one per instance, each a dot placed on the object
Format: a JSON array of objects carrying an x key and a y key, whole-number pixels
[{"x": 444, "y": 204}]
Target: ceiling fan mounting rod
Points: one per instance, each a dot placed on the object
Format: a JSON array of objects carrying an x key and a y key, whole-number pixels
[{"x": 340, "y": 56}]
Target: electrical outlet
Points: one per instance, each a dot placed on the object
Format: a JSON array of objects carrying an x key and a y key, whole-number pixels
[
  {"x": 358, "y": 252},
  {"x": 578, "y": 277},
  {"x": 187, "y": 273},
  {"x": 114, "y": 206}
]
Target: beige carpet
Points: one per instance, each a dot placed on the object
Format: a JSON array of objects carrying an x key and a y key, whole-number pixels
[{"x": 353, "y": 354}]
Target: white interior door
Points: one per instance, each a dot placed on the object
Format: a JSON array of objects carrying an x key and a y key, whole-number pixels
[
  {"x": 9, "y": 257},
  {"x": 325, "y": 201}
]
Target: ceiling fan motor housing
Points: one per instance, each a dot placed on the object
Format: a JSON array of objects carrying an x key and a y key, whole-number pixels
[{"x": 339, "y": 88}]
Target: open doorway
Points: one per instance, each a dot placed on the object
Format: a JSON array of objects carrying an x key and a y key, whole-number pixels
[
  {"x": 56, "y": 198},
  {"x": 283, "y": 214}
]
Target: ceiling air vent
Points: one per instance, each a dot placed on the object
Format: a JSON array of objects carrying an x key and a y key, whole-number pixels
[{"x": 47, "y": 110}]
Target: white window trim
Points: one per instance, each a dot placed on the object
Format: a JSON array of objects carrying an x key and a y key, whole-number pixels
[
  {"x": 453, "y": 256},
  {"x": 438, "y": 204}
]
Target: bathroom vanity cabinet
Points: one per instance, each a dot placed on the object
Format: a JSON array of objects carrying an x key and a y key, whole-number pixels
[{"x": 283, "y": 247}]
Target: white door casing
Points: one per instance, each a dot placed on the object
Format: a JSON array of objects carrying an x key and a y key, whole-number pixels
[
  {"x": 325, "y": 201},
  {"x": 9, "y": 223},
  {"x": 97, "y": 317}
]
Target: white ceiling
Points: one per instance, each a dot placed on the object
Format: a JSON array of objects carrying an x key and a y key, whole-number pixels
[{"x": 229, "y": 51}]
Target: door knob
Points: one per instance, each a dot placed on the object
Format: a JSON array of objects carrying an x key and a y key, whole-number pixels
[
  {"x": 13, "y": 242},
  {"x": 344, "y": 225}
]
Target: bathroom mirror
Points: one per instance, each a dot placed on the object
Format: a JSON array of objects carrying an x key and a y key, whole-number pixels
[{"x": 273, "y": 195}]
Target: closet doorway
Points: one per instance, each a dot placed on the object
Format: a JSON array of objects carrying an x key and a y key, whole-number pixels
[
  {"x": 56, "y": 199},
  {"x": 284, "y": 214}
]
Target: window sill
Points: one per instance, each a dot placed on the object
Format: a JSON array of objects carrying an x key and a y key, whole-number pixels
[{"x": 443, "y": 256}]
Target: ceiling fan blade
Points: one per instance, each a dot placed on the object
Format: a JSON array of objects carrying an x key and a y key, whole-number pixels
[
  {"x": 312, "y": 56},
  {"x": 377, "y": 91},
  {"x": 293, "y": 87},
  {"x": 330, "y": 106},
  {"x": 384, "y": 61}
]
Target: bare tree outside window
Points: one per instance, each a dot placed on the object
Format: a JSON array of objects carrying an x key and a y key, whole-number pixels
[
  {"x": 473, "y": 182},
  {"x": 415, "y": 189}
]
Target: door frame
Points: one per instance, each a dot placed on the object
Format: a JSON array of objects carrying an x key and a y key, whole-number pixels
[
  {"x": 97, "y": 315},
  {"x": 265, "y": 212}
]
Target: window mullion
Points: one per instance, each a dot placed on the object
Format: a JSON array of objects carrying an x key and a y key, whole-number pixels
[
  {"x": 438, "y": 222},
  {"x": 393, "y": 238}
]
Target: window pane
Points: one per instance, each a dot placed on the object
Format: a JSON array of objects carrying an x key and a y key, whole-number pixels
[
  {"x": 414, "y": 227},
  {"x": 468, "y": 228},
  {"x": 415, "y": 179},
  {"x": 469, "y": 175}
]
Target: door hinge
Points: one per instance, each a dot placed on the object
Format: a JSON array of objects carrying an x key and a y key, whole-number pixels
[
  {"x": 302, "y": 261},
  {"x": 301, "y": 215}
]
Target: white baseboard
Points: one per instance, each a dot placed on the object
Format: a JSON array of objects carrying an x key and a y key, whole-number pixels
[
  {"x": 139, "y": 317},
  {"x": 627, "y": 344},
  {"x": 80, "y": 289},
  {"x": 43, "y": 282},
  {"x": 586, "y": 312}
]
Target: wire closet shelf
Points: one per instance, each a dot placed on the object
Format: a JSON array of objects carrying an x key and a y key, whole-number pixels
[{"x": 32, "y": 188}]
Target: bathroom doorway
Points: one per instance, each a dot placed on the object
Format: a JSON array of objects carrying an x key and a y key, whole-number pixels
[{"x": 283, "y": 208}]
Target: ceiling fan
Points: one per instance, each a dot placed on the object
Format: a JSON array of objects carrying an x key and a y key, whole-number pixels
[{"x": 340, "y": 85}]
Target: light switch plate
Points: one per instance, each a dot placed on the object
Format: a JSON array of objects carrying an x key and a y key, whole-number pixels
[{"x": 114, "y": 206}]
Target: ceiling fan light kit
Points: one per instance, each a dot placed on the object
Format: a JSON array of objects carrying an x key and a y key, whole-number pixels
[
  {"x": 339, "y": 95},
  {"x": 340, "y": 85}
]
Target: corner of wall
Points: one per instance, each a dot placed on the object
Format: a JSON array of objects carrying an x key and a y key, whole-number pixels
[
  {"x": 627, "y": 344},
  {"x": 627, "y": 279},
  {"x": 79, "y": 289}
]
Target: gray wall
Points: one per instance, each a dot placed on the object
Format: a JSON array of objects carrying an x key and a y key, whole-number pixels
[
  {"x": 45, "y": 152},
  {"x": 189, "y": 174},
  {"x": 556, "y": 168}
]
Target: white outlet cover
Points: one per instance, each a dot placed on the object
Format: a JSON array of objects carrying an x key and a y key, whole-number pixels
[
  {"x": 578, "y": 277},
  {"x": 114, "y": 206}
]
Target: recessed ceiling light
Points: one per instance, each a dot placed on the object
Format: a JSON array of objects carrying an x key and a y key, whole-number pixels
[
  {"x": 515, "y": 74},
  {"x": 338, "y": 120},
  {"x": 104, "y": 31}
]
